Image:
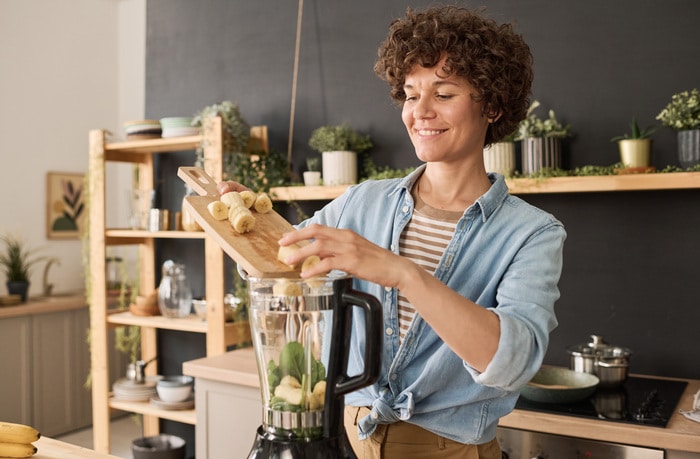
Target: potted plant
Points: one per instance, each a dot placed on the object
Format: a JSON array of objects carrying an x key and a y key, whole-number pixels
[
  {"x": 236, "y": 133},
  {"x": 541, "y": 140},
  {"x": 682, "y": 115},
  {"x": 635, "y": 146},
  {"x": 499, "y": 156},
  {"x": 16, "y": 261},
  {"x": 312, "y": 176},
  {"x": 339, "y": 146}
]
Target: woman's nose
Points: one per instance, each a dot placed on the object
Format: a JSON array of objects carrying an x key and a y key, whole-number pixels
[{"x": 423, "y": 109}]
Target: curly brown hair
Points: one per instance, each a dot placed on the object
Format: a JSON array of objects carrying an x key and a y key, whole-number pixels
[{"x": 493, "y": 58}]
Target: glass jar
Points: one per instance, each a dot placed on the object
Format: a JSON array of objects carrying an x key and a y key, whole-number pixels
[
  {"x": 174, "y": 293},
  {"x": 188, "y": 221}
]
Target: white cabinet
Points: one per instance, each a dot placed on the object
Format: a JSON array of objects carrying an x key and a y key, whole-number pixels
[{"x": 45, "y": 363}]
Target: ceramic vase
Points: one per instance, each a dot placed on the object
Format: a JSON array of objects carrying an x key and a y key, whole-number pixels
[
  {"x": 635, "y": 152},
  {"x": 500, "y": 157},
  {"x": 339, "y": 168},
  {"x": 540, "y": 153},
  {"x": 689, "y": 147},
  {"x": 18, "y": 288}
]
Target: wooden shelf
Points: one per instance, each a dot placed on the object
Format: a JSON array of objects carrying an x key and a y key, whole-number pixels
[
  {"x": 161, "y": 145},
  {"x": 190, "y": 323},
  {"x": 184, "y": 416},
  {"x": 115, "y": 236},
  {"x": 598, "y": 183}
]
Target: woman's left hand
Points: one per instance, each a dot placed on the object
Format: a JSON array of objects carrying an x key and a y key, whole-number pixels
[{"x": 345, "y": 250}]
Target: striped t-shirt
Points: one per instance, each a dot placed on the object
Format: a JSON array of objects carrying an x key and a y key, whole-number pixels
[{"x": 424, "y": 240}]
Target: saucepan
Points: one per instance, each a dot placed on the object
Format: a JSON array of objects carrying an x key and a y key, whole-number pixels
[{"x": 609, "y": 363}]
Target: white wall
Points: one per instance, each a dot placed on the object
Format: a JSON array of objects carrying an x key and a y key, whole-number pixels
[{"x": 66, "y": 66}]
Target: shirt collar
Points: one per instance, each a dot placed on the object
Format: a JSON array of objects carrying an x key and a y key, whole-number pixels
[{"x": 488, "y": 202}]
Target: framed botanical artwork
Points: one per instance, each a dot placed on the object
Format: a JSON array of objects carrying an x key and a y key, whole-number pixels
[{"x": 65, "y": 205}]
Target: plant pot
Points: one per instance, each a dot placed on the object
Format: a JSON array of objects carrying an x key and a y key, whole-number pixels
[
  {"x": 499, "y": 157},
  {"x": 312, "y": 178},
  {"x": 689, "y": 147},
  {"x": 339, "y": 168},
  {"x": 635, "y": 152},
  {"x": 540, "y": 153},
  {"x": 18, "y": 288}
]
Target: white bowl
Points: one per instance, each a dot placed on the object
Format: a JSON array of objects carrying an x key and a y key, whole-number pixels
[{"x": 174, "y": 388}]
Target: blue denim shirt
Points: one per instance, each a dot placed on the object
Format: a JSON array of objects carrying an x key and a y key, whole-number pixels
[{"x": 506, "y": 255}]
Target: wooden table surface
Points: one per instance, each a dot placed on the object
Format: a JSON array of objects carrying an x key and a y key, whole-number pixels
[{"x": 48, "y": 448}]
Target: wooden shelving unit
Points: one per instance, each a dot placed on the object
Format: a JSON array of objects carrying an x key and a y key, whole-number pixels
[
  {"x": 219, "y": 334},
  {"x": 598, "y": 183}
]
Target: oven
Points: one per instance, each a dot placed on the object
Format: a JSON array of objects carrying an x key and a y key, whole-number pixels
[{"x": 640, "y": 401}]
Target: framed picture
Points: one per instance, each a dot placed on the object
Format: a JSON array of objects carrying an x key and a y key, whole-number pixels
[{"x": 65, "y": 205}]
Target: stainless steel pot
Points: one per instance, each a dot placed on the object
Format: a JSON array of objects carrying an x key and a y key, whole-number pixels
[{"x": 609, "y": 363}]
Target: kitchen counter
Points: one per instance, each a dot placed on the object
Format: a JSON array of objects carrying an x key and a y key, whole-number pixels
[
  {"x": 239, "y": 368},
  {"x": 43, "y": 305},
  {"x": 48, "y": 448}
]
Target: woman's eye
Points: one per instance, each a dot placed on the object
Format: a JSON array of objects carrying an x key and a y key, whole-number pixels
[
  {"x": 410, "y": 97},
  {"x": 443, "y": 96}
]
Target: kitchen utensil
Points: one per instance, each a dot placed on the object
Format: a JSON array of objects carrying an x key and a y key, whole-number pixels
[
  {"x": 136, "y": 371},
  {"x": 163, "y": 446},
  {"x": 559, "y": 385},
  {"x": 255, "y": 251},
  {"x": 610, "y": 363},
  {"x": 174, "y": 388},
  {"x": 174, "y": 293},
  {"x": 301, "y": 334}
]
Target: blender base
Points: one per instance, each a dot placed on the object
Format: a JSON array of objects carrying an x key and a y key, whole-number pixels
[{"x": 269, "y": 446}]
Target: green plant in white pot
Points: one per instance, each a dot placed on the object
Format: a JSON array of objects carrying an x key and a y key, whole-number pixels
[
  {"x": 339, "y": 146},
  {"x": 635, "y": 146},
  {"x": 682, "y": 115},
  {"x": 541, "y": 141}
]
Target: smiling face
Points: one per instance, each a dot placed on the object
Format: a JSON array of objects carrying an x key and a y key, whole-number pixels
[{"x": 444, "y": 122}]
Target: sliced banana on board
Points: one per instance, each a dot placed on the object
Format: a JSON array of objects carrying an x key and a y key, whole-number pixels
[
  {"x": 263, "y": 203},
  {"x": 218, "y": 210},
  {"x": 232, "y": 198},
  {"x": 248, "y": 198}
]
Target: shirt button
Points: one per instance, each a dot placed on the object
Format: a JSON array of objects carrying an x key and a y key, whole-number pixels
[
  {"x": 393, "y": 377},
  {"x": 373, "y": 415},
  {"x": 389, "y": 331},
  {"x": 387, "y": 289},
  {"x": 393, "y": 247},
  {"x": 405, "y": 209}
]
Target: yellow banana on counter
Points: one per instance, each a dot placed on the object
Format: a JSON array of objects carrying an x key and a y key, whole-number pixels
[
  {"x": 17, "y": 449},
  {"x": 17, "y": 433}
]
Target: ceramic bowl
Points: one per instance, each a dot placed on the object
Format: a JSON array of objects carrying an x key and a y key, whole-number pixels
[
  {"x": 175, "y": 388},
  {"x": 559, "y": 385},
  {"x": 162, "y": 446},
  {"x": 200, "y": 308}
]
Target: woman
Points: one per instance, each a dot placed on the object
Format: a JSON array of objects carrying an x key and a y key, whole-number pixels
[{"x": 466, "y": 273}]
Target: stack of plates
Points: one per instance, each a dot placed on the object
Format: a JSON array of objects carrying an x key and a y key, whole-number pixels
[
  {"x": 142, "y": 129},
  {"x": 130, "y": 391},
  {"x": 177, "y": 126},
  {"x": 163, "y": 405}
]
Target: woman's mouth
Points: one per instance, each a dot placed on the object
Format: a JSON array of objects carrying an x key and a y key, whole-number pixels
[{"x": 429, "y": 132}]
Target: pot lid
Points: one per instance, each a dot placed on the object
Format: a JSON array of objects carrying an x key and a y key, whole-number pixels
[{"x": 596, "y": 346}]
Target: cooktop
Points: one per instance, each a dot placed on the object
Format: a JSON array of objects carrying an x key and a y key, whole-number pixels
[{"x": 643, "y": 401}]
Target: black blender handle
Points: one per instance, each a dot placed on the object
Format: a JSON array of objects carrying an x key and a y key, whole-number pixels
[{"x": 373, "y": 344}]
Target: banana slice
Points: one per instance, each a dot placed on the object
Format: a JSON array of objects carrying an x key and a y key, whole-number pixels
[
  {"x": 233, "y": 211},
  {"x": 284, "y": 251},
  {"x": 263, "y": 203},
  {"x": 248, "y": 198},
  {"x": 218, "y": 210},
  {"x": 286, "y": 288},
  {"x": 310, "y": 261},
  {"x": 243, "y": 222},
  {"x": 232, "y": 198}
]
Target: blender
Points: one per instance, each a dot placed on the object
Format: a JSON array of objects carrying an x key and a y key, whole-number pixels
[{"x": 301, "y": 335}]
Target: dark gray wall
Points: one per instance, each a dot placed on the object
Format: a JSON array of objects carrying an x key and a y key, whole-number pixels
[{"x": 630, "y": 259}]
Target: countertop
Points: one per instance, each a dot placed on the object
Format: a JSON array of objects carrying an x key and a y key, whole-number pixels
[
  {"x": 44, "y": 305},
  {"x": 48, "y": 448},
  {"x": 239, "y": 367}
]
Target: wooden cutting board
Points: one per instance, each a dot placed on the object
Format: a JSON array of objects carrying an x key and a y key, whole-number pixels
[{"x": 255, "y": 251}]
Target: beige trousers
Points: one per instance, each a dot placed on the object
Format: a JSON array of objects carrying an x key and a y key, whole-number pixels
[{"x": 403, "y": 440}]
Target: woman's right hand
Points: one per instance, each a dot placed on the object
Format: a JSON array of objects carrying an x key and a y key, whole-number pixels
[{"x": 229, "y": 186}]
